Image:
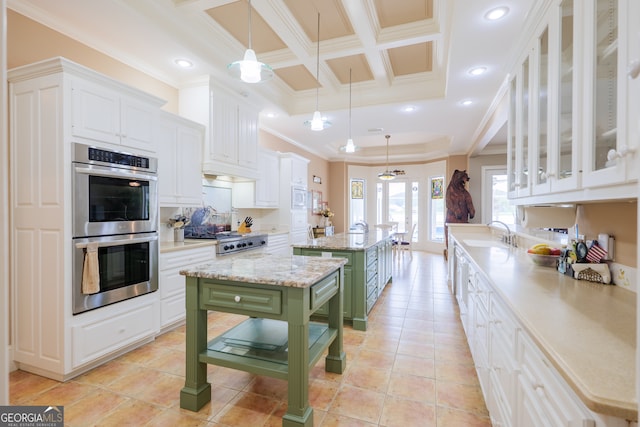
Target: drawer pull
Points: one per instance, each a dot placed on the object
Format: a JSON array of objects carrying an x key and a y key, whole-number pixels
[{"x": 237, "y": 298}]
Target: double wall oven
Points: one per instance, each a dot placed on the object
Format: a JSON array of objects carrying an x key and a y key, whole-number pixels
[{"x": 115, "y": 226}]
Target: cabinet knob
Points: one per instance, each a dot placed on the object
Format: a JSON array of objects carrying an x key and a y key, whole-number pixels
[
  {"x": 622, "y": 152},
  {"x": 237, "y": 298}
]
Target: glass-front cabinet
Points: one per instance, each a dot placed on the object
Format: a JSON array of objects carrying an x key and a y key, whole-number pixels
[{"x": 573, "y": 113}]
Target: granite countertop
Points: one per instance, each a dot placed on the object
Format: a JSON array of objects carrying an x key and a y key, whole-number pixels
[
  {"x": 587, "y": 330},
  {"x": 347, "y": 241},
  {"x": 187, "y": 244},
  {"x": 282, "y": 270}
]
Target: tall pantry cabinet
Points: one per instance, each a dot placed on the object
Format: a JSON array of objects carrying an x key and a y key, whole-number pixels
[{"x": 52, "y": 104}]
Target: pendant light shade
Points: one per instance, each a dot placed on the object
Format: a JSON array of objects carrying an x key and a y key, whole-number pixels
[
  {"x": 317, "y": 123},
  {"x": 249, "y": 69},
  {"x": 350, "y": 147},
  {"x": 387, "y": 175}
]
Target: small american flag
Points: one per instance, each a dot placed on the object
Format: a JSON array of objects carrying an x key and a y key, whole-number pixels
[{"x": 596, "y": 253}]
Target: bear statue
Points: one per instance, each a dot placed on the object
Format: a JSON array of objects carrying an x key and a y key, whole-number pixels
[{"x": 458, "y": 203}]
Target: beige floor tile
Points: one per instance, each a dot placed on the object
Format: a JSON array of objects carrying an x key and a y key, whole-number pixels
[
  {"x": 412, "y": 357},
  {"x": 407, "y": 413},
  {"x": 354, "y": 402}
]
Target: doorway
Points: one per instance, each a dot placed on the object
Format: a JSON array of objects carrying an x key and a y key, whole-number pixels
[{"x": 495, "y": 200}]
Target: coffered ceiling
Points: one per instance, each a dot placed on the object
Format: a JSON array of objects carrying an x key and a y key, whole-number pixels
[{"x": 401, "y": 53}]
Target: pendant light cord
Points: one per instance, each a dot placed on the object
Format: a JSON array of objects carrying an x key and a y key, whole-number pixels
[
  {"x": 249, "y": 24},
  {"x": 350, "y": 104},
  {"x": 387, "y": 136},
  {"x": 318, "y": 63}
]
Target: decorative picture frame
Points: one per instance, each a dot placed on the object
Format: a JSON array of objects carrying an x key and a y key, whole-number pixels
[
  {"x": 357, "y": 189},
  {"x": 317, "y": 179},
  {"x": 316, "y": 202}
]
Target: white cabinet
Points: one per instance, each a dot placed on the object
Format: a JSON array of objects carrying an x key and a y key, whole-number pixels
[
  {"x": 43, "y": 100},
  {"x": 179, "y": 161},
  {"x": 544, "y": 399},
  {"x": 104, "y": 114},
  {"x": 279, "y": 244},
  {"x": 520, "y": 386},
  {"x": 171, "y": 284},
  {"x": 268, "y": 182},
  {"x": 231, "y": 140},
  {"x": 264, "y": 192},
  {"x": 573, "y": 128},
  {"x": 97, "y": 338}
]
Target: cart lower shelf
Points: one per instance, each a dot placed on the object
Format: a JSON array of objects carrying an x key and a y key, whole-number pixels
[{"x": 260, "y": 346}]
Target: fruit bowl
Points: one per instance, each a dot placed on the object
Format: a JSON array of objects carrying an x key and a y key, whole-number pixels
[{"x": 544, "y": 260}]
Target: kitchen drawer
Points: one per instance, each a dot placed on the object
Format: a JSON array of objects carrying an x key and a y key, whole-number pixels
[
  {"x": 542, "y": 384},
  {"x": 372, "y": 270},
  {"x": 483, "y": 292},
  {"x": 323, "y": 291},
  {"x": 503, "y": 324},
  {"x": 96, "y": 339},
  {"x": 371, "y": 300},
  {"x": 186, "y": 257},
  {"x": 243, "y": 300},
  {"x": 372, "y": 256},
  {"x": 372, "y": 285}
]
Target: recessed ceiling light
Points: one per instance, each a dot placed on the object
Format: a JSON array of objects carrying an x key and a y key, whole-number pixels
[
  {"x": 184, "y": 63},
  {"x": 476, "y": 71},
  {"x": 409, "y": 109},
  {"x": 271, "y": 115},
  {"x": 466, "y": 102},
  {"x": 497, "y": 13}
]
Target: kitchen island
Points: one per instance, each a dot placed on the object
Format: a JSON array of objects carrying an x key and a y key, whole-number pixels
[
  {"x": 367, "y": 271},
  {"x": 548, "y": 349},
  {"x": 278, "y": 294}
]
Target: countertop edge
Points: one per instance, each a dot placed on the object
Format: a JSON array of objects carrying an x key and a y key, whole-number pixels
[{"x": 166, "y": 247}]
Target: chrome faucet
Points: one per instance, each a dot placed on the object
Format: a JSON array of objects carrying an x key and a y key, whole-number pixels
[
  {"x": 509, "y": 238},
  {"x": 363, "y": 224}
]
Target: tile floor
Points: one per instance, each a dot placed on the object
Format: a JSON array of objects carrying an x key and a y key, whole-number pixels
[{"x": 412, "y": 367}]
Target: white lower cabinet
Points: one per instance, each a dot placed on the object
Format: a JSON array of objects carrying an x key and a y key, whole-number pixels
[
  {"x": 171, "y": 283},
  {"x": 520, "y": 386},
  {"x": 103, "y": 336},
  {"x": 540, "y": 386},
  {"x": 279, "y": 244}
]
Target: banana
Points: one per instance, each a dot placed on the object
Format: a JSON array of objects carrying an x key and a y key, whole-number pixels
[{"x": 540, "y": 245}]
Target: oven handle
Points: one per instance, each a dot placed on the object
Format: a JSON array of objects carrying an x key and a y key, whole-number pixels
[
  {"x": 118, "y": 242},
  {"x": 116, "y": 174}
]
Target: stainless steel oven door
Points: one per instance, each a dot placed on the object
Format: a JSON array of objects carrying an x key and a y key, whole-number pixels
[
  {"x": 111, "y": 200},
  {"x": 127, "y": 266}
]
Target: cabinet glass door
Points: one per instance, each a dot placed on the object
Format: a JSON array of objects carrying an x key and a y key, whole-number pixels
[
  {"x": 565, "y": 155},
  {"x": 540, "y": 176},
  {"x": 511, "y": 148},
  {"x": 525, "y": 100},
  {"x": 605, "y": 83}
]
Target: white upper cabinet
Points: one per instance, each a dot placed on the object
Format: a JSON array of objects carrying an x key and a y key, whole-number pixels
[
  {"x": 573, "y": 127},
  {"x": 179, "y": 161},
  {"x": 231, "y": 142},
  {"x": 609, "y": 156},
  {"x": 105, "y": 115},
  {"x": 264, "y": 192}
]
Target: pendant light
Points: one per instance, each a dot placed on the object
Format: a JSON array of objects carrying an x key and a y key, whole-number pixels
[
  {"x": 316, "y": 123},
  {"x": 249, "y": 69},
  {"x": 387, "y": 175},
  {"x": 350, "y": 147}
]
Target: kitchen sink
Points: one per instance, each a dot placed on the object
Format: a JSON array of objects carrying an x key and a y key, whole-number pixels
[{"x": 483, "y": 243}]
